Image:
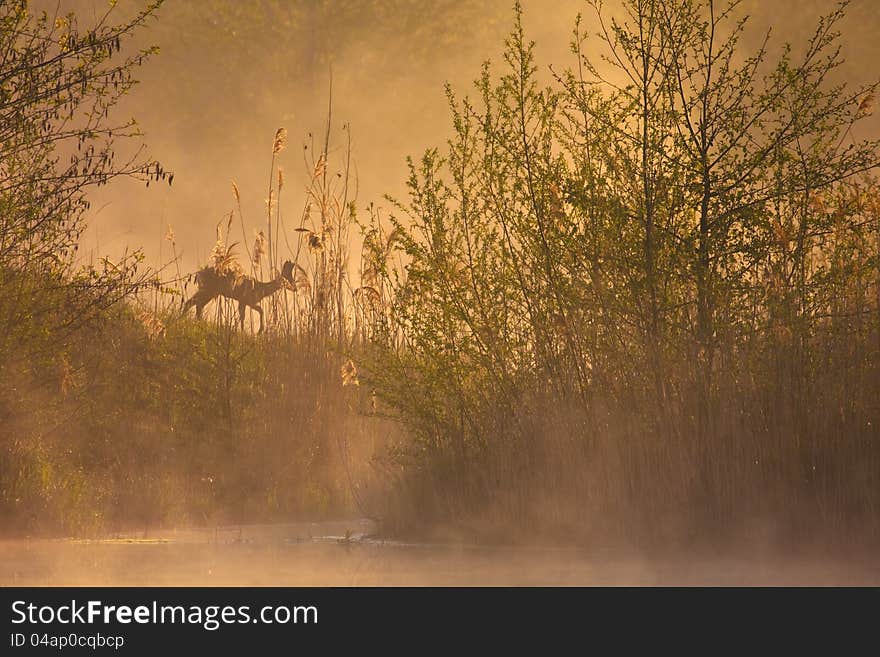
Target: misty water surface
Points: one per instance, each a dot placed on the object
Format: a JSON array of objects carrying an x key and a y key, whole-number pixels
[{"x": 344, "y": 554}]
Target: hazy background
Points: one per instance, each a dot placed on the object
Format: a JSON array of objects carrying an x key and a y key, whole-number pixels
[
  {"x": 230, "y": 73},
  {"x": 196, "y": 423}
]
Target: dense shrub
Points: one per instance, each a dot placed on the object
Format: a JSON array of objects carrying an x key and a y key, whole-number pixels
[{"x": 641, "y": 304}]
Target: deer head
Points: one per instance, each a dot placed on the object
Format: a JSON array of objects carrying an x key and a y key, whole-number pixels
[{"x": 287, "y": 274}]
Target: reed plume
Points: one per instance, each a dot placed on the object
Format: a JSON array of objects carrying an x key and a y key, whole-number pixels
[{"x": 280, "y": 141}]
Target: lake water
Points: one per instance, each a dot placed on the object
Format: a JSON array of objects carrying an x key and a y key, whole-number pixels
[{"x": 343, "y": 554}]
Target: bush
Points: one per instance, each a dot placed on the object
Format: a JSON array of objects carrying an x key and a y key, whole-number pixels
[{"x": 645, "y": 312}]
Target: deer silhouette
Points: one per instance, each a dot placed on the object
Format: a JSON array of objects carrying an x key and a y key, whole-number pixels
[{"x": 245, "y": 289}]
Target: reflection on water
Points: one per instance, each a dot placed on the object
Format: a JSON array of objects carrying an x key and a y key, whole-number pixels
[{"x": 342, "y": 554}]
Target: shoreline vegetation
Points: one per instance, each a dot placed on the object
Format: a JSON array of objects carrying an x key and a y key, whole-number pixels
[{"x": 636, "y": 304}]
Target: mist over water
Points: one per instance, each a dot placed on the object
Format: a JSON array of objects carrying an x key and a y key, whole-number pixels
[{"x": 320, "y": 554}]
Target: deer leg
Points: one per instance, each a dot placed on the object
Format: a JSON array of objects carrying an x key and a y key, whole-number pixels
[
  {"x": 189, "y": 303},
  {"x": 200, "y": 305},
  {"x": 260, "y": 312},
  {"x": 241, "y": 310},
  {"x": 200, "y": 299}
]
